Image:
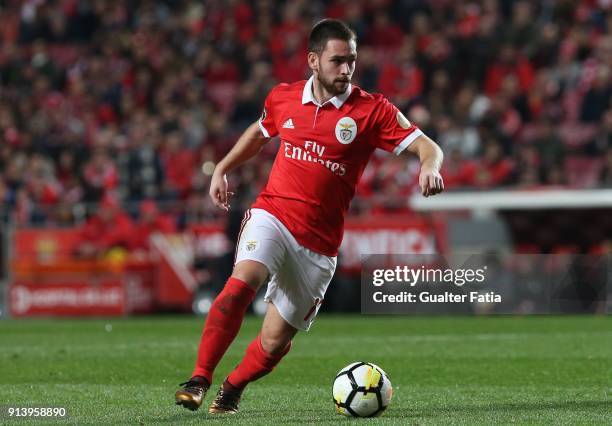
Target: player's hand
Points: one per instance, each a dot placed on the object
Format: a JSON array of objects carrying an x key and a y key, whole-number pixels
[
  {"x": 431, "y": 182},
  {"x": 218, "y": 191}
]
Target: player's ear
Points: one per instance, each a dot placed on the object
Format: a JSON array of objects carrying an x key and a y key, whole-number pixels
[{"x": 313, "y": 61}]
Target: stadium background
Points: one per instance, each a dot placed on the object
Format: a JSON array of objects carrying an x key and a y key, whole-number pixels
[{"x": 112, "y": 115}]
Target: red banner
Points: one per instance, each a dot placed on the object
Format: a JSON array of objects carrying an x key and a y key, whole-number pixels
[
  {"x": 391, "y": 234},
  {"x": 210, "y": 240},
  {"x": 45, "y": 245},
  {"x": 139, "y": 280},
  {"x": 174, "y": 275},
  {"x": 48, "y": 281},
  {"x": 67, "y": 299}
]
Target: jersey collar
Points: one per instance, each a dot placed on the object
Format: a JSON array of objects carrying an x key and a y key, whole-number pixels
[{"x": 336, "y": 101}]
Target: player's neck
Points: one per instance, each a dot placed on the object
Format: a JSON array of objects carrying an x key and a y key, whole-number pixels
[{"x": 319, "y": 93}]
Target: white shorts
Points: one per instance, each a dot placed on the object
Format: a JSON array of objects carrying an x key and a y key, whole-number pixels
[{"x": 298, "y": 276}]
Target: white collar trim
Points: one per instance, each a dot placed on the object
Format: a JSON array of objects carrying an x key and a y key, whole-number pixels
[{"x": 336, "y": 101}]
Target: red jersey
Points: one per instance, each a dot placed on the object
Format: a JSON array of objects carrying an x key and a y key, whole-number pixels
[{"x": 323, "y": 152}]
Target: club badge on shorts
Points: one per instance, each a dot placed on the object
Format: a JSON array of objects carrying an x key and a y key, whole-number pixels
[
  {"x": 346, "y": 130},
  {"x": 251, "y": 246}
]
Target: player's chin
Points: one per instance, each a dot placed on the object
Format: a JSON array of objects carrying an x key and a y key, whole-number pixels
[{"x": 341, "y": 86}]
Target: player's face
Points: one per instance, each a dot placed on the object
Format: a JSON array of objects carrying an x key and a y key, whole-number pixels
[{"x": 335, "y": 66}]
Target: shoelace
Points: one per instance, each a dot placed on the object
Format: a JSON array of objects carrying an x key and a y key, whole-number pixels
[
  {"x": 192, "y": 385},
  {"x": 224, "y": 396}
]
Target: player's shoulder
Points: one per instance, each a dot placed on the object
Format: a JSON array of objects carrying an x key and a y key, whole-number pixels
[
  {"x": 287, "y": 90},
  {"x": 366, "y": 98}
]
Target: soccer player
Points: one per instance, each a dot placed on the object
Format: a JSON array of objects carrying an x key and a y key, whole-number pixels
[{"x": 328, "y": 130}]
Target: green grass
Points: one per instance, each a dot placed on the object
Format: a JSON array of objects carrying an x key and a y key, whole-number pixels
[{"x": 445, "y": 370}]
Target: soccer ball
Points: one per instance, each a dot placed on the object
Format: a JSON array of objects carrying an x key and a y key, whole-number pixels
[{"x": 362, "y": 389}]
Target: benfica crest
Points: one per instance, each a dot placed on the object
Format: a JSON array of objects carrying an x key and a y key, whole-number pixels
[
  {"x": 251, "y": 246},
  {"x": 346, "y": 130}
]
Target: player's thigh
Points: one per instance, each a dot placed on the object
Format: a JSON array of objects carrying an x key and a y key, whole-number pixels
[
  {"x": 315, "y": 272},
  {"x": 276, "y": 333},
  {"x": 252, "y": 272},
  {"x": 298, "y": 289},
  {"x": 261, "y": 249}
]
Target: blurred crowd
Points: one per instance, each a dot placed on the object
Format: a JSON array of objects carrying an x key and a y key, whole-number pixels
[{"x": 137, "y": 100}]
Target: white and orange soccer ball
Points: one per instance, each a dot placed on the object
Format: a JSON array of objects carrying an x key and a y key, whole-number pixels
[{"x": 362, "y": 389}]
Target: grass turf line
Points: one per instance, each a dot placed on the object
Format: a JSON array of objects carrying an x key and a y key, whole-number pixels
[{"x": 445, "y": 370}]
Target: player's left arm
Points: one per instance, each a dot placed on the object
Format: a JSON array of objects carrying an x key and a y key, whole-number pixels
[
  {"x": 431, "y": 157},
  {"x": 394, "y": 133}
]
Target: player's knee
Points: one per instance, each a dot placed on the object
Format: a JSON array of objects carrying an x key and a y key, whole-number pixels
[
  {"x": 253, "y": 273},
  {"x": 275, "y": 344}
]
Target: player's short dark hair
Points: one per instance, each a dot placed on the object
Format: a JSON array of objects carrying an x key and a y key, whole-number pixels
[{"x": 328, "y": 29}]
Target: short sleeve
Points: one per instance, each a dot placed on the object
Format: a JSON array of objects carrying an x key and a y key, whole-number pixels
[
  {"x": 393, "y": 130},
  {"x": 266, "y": 121}
]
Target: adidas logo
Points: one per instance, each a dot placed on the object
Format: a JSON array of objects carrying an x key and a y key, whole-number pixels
[{"x": 288, "y": 124}]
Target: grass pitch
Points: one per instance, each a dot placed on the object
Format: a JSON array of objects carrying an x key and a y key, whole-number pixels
[{"x": 445, "y": 370}]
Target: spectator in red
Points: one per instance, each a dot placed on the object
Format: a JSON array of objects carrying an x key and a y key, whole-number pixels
[
  {"x": 150, "y": 221},
  {"x": 291, "y": 27},
  {"x": 177, "y": 162},
  {"x": 110, "y": 227},
  {"x": 401, "y": 79},
  {"x": 99, "y": 175},
  {"x": 221, "y": 70},
  {"x": 290, "y": 63},
  {"x": 338, "y": 9},
  {"x": 244, "y": 18},
  {"x": 384, "y": 33},
  {"x": 509, "y": 62},
  {"x": 41, "y": 183},
  {"x": 66, "y": 168},
  {"x": 420, "y": 27},
  {"x": 457, "y": 171},
  {"x": 494, "y": 169},
  {"x": 104, "y": 76}
]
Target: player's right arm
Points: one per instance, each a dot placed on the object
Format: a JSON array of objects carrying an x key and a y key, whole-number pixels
[{"x": 248, "y": 145}]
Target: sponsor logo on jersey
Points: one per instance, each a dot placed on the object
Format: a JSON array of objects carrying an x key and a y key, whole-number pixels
[
  {"x": 288, "y": 124},
  {"x": 346, "y": 130},
  {"x": 313, "y": 152}
]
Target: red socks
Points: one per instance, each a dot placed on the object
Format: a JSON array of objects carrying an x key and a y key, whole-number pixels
[
  {"x": 255, "y": 364},
  {"x": 222, "y": 325}
]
